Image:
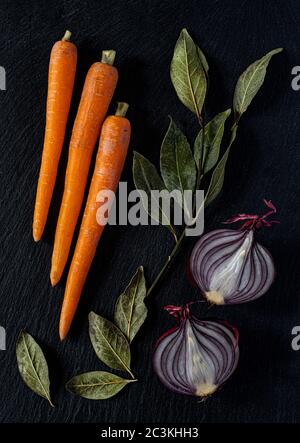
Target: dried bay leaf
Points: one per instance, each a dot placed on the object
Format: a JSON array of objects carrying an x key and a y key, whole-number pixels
[
  {"x": 250, "y": 82},
  {"x": 33, "y": 366},
  {"x": 130, "y": 310},
  {"x": 109, "y": 343},
  {"x": 97, "y": 385},
  {"x": 189, "y": 73}
]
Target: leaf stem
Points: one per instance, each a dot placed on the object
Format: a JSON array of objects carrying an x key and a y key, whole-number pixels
[
  {"x": 172, "y": 230},
  {"x": 50, "y": 402},
  {"x": 131, "y": 374},
  {"x": 167, "y": 264}
]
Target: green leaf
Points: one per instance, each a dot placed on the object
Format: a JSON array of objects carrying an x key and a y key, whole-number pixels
[
  {"x": 250, "y": 82},
  {"x": 97, "y": 385},
  {"x": 146, "y": 178},
  {"x": 177, "y": 164},
  {"x": 130, "y": 310},
  {"x": 213, "y": 135},
  {"x": 188, "y": 73},
  {"x": 109, "y": 343},
  {"x": 32, "y": 365},
  {"x": 217, "y": 178}
]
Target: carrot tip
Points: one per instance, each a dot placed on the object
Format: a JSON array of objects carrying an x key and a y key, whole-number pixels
[
  {"x": 63, "y": 332},
  {"x": 54, "y": 278},
  {"x": 62, "y": 337},
  {"x": 36, "y": 235}
]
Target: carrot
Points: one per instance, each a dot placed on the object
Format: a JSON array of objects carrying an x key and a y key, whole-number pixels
[
  {"x": 62, "y": 68},
  {"x": 99, "y": 86},
  {"x": 113, "y": 146}
]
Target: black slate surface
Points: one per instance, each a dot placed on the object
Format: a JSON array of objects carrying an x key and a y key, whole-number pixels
[{"x": 264, "y": 163}]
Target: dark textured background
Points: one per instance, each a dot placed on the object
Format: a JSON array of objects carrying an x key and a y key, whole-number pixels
[{"x": 264, "y": 163}]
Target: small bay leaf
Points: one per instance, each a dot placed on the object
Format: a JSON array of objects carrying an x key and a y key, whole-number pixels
[
  {"x": 189, "y": 73},
  {"x": 97, "y": 385},
  {"x": 33, "y": 366},
  {"x": 213, "y": 135},
  {"x": 147, "y": 179},
  {"x": 109, "y": 343},
  {"x": 130, "y": 310},
  {"x": 250, "y": 82},
  {"x": 177, "y": 164},
  {"x": 217, "y": 178}
]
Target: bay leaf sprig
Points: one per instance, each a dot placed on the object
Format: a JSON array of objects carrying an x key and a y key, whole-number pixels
[
  {"x": 33, "y": 366},
  {"x": 189, "y": 74},
  {"x": 111, "y": 343}
]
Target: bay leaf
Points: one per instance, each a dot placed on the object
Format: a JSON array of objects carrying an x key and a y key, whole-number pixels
[
  {"x": 97, "y": 385},
  {"x": 217, "y": 178},
  {"x": 250, "y": 82},
  {"x": 130, "y": 310},
  {"x": 188, "y": 73},
  {"x": 147, "y": 179},
  {"x": 177, "y": 164},
  {"x": 33, "y": 366},
  {"x": 213, "y": 134},
  {"x": 109, "y": 343}
]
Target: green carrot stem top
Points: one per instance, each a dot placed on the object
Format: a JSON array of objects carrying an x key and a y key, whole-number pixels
[
  {"x": 122, "y": 109},
  {"x": 108, "y": 56}
]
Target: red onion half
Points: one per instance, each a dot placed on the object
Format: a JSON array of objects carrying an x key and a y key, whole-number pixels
[
  {"x": 197, "y": 356},
  {"x": 229, "y": 266}
]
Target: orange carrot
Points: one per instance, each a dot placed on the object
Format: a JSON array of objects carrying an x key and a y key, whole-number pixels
[
  {"x": 62, "y": 68},
  {"x": 113, "y": 146},
  {"x": 99, "y": 86}
]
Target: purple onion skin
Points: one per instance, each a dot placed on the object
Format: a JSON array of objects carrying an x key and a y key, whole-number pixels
[
  {"x": 197, "y": 356},
  {"x": 230, "y": 267}
]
